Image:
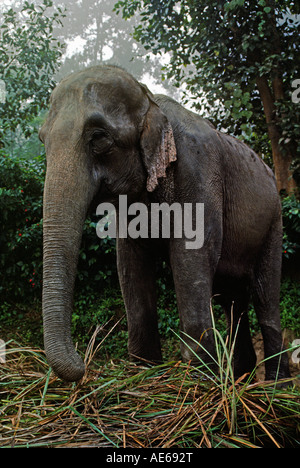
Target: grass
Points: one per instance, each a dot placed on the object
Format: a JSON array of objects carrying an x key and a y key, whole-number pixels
[{"x": 122, "y": 404}]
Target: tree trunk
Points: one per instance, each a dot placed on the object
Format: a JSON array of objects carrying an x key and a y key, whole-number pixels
[{"x": 282, "y": 162}]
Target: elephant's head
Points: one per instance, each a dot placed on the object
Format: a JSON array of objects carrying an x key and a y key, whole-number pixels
[{"x": 104, "y": 136}]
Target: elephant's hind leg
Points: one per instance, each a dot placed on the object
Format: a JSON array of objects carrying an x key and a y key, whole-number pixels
[{"x": 266, "y": 302}]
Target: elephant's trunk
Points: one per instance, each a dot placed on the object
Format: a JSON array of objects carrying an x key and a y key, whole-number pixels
[{"x": 66, "y": 198}]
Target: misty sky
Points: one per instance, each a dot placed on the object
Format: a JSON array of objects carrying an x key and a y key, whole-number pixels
[{"x": 93, "y": 34}]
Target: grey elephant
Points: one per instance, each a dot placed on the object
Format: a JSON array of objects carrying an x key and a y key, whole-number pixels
[{"x": 106, "y": 135}]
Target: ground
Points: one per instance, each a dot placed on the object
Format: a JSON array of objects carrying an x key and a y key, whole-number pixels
[{"x": 289, "y": 337}]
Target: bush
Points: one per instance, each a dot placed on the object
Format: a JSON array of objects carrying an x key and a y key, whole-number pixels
[
  {"x": 107, "y": 311},
  {"x": 97, "y": 268},
  {"x": 21, "y": 189},
  {"x": 290, "y": 305},
  {"x": 291, "y": 226}
]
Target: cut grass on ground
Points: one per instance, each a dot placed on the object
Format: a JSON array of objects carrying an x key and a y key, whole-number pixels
[{"x": 121, "y": 404}]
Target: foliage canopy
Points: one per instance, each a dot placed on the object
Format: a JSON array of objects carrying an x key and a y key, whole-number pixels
[
  {"x": 241, "y": 55},
  {"x": 29, "y": 57}
]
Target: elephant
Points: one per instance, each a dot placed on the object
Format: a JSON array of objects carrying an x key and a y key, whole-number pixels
[{"x": 107, "y": 135}]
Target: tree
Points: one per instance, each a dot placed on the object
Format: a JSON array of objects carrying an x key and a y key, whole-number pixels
[
  {"x": 29, "y": 57},
  {"x": 240, "y": 54}
]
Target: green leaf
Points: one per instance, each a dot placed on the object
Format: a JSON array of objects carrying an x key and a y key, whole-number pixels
[{"x": 237, "y": 103}]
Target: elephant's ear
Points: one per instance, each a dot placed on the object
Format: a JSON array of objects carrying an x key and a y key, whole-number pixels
[{"x": 157, "y": 145}]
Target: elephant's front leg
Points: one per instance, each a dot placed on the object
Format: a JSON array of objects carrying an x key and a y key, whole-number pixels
[
  {"x": 192, "y": 273},
  {"x": 136, "y": 269}
]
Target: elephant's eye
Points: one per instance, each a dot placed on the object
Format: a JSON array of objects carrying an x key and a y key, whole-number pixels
[{"x": 100, "y": 142}]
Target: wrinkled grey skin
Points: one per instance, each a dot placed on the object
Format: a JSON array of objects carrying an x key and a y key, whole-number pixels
[{"x": 107, "y": 135}]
